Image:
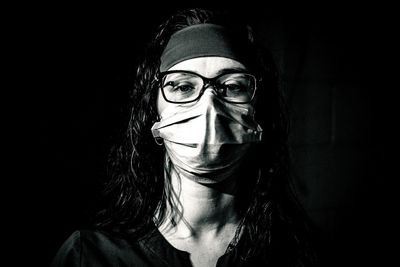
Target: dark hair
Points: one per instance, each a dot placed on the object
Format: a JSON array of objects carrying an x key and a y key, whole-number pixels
[{"x": 272, "y": 216}]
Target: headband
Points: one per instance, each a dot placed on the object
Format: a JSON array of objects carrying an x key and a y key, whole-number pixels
[{"x": 205, "y": 40}]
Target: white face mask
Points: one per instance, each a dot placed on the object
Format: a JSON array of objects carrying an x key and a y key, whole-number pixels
[{"x": 208, "y": 139}]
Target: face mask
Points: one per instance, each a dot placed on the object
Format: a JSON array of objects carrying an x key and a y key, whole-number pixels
[{"x": 207, "y": 140}]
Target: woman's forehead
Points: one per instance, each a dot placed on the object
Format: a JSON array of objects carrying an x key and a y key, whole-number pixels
[{"x": 208, "y": 66}]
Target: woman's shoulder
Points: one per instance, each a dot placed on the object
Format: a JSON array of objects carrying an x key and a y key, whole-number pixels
[
  {"x": 98, "y": 240},
  {"x": 93, "y": 246}
]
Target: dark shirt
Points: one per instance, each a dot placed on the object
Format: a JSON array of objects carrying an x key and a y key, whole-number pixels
[{"x": 96, "y": 248}]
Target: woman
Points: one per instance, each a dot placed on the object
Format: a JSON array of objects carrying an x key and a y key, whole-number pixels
[{"x": 202, "y": 178}]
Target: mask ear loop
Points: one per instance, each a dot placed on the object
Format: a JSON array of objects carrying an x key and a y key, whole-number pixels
[{"x": 159, "y": 141}]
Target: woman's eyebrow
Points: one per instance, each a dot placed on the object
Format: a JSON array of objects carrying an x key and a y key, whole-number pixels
[
  {"x": 228, "y": 70},
  {"x": 218, "y": 73}
]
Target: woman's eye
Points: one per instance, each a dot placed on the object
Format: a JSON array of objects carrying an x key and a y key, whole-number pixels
[
  {"x": 183, "y": 88},
  {"x": 179, "y": 87},
  {"x": 233, "y": 87}
]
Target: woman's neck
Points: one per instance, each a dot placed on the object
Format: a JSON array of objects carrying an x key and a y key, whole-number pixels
[{"x": 208, "y": 210}]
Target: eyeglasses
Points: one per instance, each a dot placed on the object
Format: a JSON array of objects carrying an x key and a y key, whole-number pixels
[{"x": 185, "y": 86}]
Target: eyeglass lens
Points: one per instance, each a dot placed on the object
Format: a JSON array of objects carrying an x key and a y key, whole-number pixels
[{"x": 183, "y": 87}]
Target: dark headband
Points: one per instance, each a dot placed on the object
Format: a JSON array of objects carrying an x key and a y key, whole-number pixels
[{"x": 205, "y": 40}]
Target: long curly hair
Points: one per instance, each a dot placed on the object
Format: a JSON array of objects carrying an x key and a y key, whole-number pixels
[{"x": 272, "y": 218}]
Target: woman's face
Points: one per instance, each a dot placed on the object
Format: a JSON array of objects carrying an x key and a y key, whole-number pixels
[{"x": 208, "y": 67}]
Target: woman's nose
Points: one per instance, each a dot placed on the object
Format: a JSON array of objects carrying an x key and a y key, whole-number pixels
[{"x": 209, "y": 87}]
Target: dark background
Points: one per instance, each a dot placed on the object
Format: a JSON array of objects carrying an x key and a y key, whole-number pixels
[{"x": 81, "y": 63}]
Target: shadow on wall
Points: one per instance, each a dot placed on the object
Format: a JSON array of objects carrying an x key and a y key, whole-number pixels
[{"x": 337, "y": 144}]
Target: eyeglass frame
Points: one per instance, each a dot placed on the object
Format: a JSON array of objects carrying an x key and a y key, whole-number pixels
[{"x": 206, "y": 81}]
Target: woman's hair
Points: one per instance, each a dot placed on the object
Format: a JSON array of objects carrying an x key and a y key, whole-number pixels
[{"x": 272, "y": 218}]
